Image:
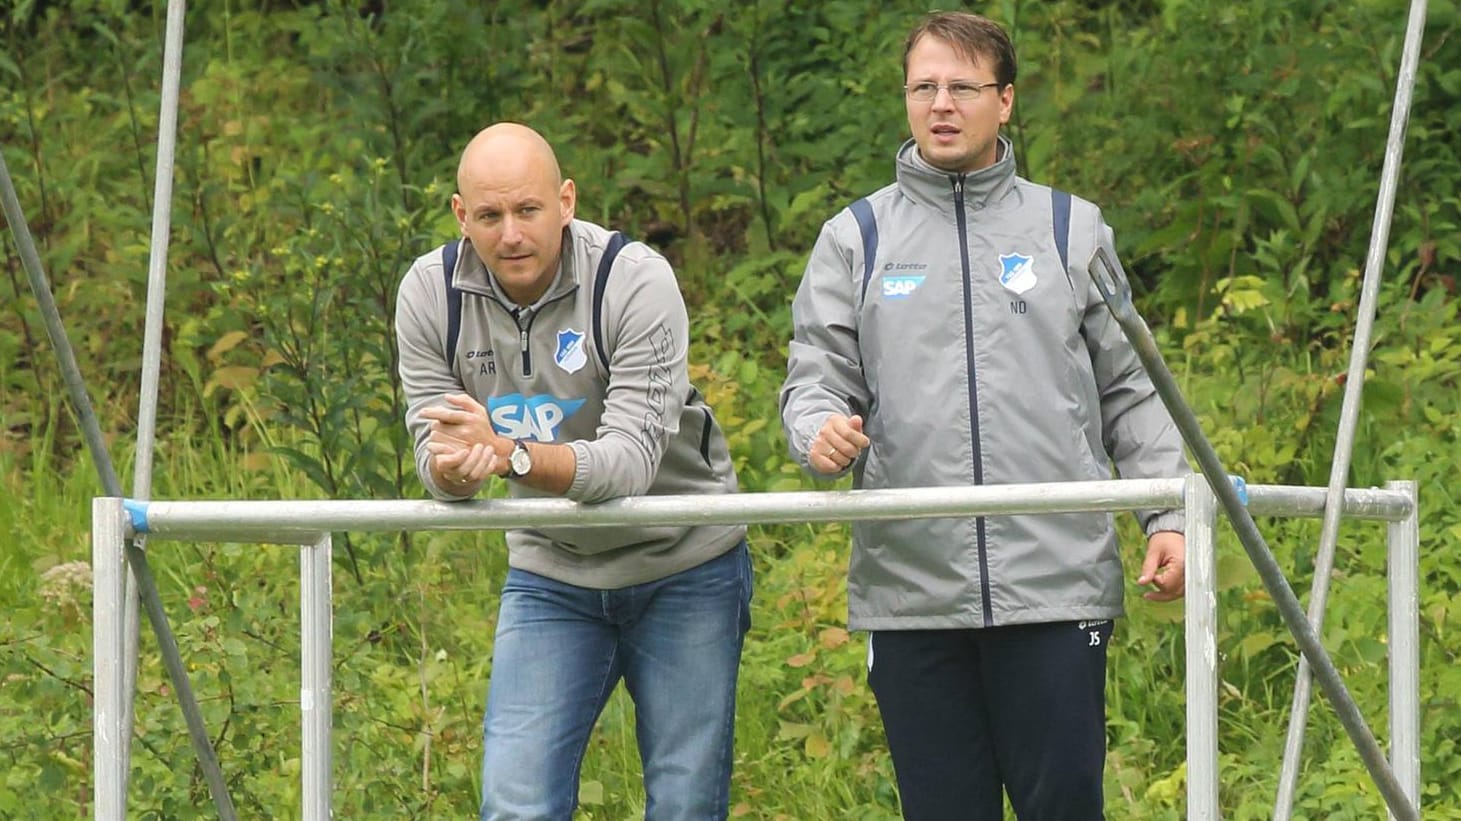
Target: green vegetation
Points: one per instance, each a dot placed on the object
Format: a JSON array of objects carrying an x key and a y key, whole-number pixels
[{"x": 1236, "y": 149}]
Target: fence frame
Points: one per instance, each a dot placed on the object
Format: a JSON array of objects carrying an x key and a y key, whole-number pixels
[{"x": 309, "y": 524}]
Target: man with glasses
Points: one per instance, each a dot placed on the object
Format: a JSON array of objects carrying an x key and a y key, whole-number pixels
[
  {"x": 946, "y": 332},
  {"x": 547, "y": 353}
]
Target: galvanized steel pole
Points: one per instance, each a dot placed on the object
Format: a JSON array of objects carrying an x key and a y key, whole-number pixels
[
  {"x": 108, "y": 652},
  {"x": 1116, "y": 291},
  {"x": 316, "y": 627},
  {"x": 118, "y": 731},
  {"x": 152, "y": 335},
  {"x": 1403, "y": 541},
  {"x": 172, "y": 62},
  {"x": 1350, "y": 408},
  {"x": 56, "y": 331},
  {"x": 1200, "y": 610}
]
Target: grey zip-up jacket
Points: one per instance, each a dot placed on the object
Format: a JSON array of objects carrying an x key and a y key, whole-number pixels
[
  {"x": 974, "y": 358},
  {"x": 636, "y": 428}
]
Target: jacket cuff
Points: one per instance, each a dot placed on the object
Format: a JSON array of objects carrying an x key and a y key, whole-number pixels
[
  {"x": 442, "y": 494},
  {"x": 1173, "y": 520},
  {"x": 579, "y": 486}
]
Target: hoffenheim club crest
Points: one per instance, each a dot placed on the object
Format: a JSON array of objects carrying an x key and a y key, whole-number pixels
[
  {"x": 570, "y": 356},
  {"x": 1017, "y": 272}
]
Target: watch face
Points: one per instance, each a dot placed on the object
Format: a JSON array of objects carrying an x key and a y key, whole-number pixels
[{"x": 520, "y": 460}]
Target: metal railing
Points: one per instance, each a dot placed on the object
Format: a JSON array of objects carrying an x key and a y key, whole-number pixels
[{"x": 309, "y": 524}]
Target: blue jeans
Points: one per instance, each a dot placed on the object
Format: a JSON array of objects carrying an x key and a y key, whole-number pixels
[{"x": 560, "y": 651}]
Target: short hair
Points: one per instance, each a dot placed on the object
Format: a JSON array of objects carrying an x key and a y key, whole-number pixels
[{"x": 972, "y": 36}]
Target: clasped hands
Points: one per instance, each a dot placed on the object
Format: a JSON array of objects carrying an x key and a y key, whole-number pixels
[{"x": 464, "y": 448}]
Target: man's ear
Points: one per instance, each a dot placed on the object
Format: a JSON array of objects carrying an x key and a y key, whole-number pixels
[
  {"x": 567, "y": 200},
  {"x": 459, "y": 210}
]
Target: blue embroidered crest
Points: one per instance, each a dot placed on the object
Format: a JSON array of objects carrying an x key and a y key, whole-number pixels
[
  {"x": 570, "y": 355},
  {"x": 1017, "y": 272}
]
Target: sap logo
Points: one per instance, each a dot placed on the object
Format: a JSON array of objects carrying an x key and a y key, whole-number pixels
[
  {"x": 899, "y": 287},
  {"x": 533, "y": 417}
]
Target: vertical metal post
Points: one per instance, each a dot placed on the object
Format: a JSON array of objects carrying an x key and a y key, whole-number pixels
[
  {"x": 130, "y": 616},
  {"x": 1403, "y": 540},
  {"x": 108, "y": 570},
  {"x": 316, "y": 640},
  {"x": 1201, "y": 629}
]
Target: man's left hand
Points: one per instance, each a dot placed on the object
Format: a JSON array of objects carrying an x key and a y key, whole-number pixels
[
  {"x": 466, "y": 447},
  {"x": 1165, "y": 568}
]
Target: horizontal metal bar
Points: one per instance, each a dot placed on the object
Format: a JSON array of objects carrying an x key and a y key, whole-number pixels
[
  {"x": 207, "y": 520},
  {"x": 1374, "y": 504},
  {"x": 301, "y": 522}
]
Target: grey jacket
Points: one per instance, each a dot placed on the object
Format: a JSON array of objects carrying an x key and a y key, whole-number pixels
[
  {"x": 974, "y": 358},
  {"x": 636, "y": 428}
]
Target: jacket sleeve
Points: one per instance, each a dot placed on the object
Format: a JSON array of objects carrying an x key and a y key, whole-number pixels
[
  {"x": 648, "y": 330},
  {"x": 1136, "y": 429},
  {"x": 824, "y": 360},
  {"x": 421, "y": 343}
]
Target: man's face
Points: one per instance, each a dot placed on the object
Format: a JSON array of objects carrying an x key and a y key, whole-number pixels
[
  {"x": 955, "y": 135},
  {"x": 513, "y": 211}
]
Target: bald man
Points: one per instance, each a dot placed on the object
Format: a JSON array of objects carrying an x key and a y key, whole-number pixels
[{"x": 545, "y": 352}]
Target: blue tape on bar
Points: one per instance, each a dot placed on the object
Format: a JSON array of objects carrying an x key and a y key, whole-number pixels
[
  {"x": 138, "y": 512},
  {"x": 1241, "y": 487}
]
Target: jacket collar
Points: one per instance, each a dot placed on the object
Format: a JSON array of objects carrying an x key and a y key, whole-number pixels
[
  {"x": 472, "y": 274},
  {"x": 935, "y": 188}
]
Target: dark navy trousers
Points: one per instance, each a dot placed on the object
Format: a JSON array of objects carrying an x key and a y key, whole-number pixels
[{"x": 972, "y": 714}]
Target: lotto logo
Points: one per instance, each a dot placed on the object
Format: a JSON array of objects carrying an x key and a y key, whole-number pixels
[{"x": 899, "y": 287}]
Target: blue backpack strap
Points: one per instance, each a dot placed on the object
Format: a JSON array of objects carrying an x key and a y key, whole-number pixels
[
  {"x": 453, "y": 301},
  {"x": 601, "y": 278},
  {"x": 862, "y": 210},
  {"x": 1060, "y": 209}
]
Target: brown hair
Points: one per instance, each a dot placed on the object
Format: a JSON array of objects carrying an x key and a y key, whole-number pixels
[{"x": 973, "y": 37}]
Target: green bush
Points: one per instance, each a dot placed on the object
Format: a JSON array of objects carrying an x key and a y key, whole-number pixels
[{"x": 1236, "y": 150}]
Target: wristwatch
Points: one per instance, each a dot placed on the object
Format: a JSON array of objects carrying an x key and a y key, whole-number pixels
[{"x": 519, "y": 462}]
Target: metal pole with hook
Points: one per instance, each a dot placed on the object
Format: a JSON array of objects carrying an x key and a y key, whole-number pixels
[{"x": 1111, "y": 281}]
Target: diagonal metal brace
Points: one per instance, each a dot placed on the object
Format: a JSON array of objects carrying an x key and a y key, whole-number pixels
[
  {"x": 1111, "y": 281},
  {"x": 135, "y": 556}
]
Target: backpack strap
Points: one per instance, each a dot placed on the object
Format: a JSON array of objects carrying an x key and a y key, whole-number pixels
[
  {"x": 862, "y": 211},
  {"x": 453, "y": 300},
  {"x": 1060, "y": 211},
  {"x": 449, "y": 253},
  {"x": 601, "y": 278}
]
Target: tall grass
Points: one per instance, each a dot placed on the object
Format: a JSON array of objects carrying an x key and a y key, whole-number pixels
[{"x": 412, "y": 646}]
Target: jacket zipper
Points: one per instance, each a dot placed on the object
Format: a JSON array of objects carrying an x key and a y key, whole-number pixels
[
  {"x": 522, "y": 342},
  {"x": 986, "y": 606},
  {"x": 525, "y": 332}
]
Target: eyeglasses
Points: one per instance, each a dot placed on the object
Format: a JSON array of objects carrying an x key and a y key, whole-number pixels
[{"x": 959, "y": 90}]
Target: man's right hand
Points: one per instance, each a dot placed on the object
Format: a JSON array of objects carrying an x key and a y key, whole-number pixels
[
  {"x": 838, "y": 444},
  {"x": 464, "y": 448}
]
